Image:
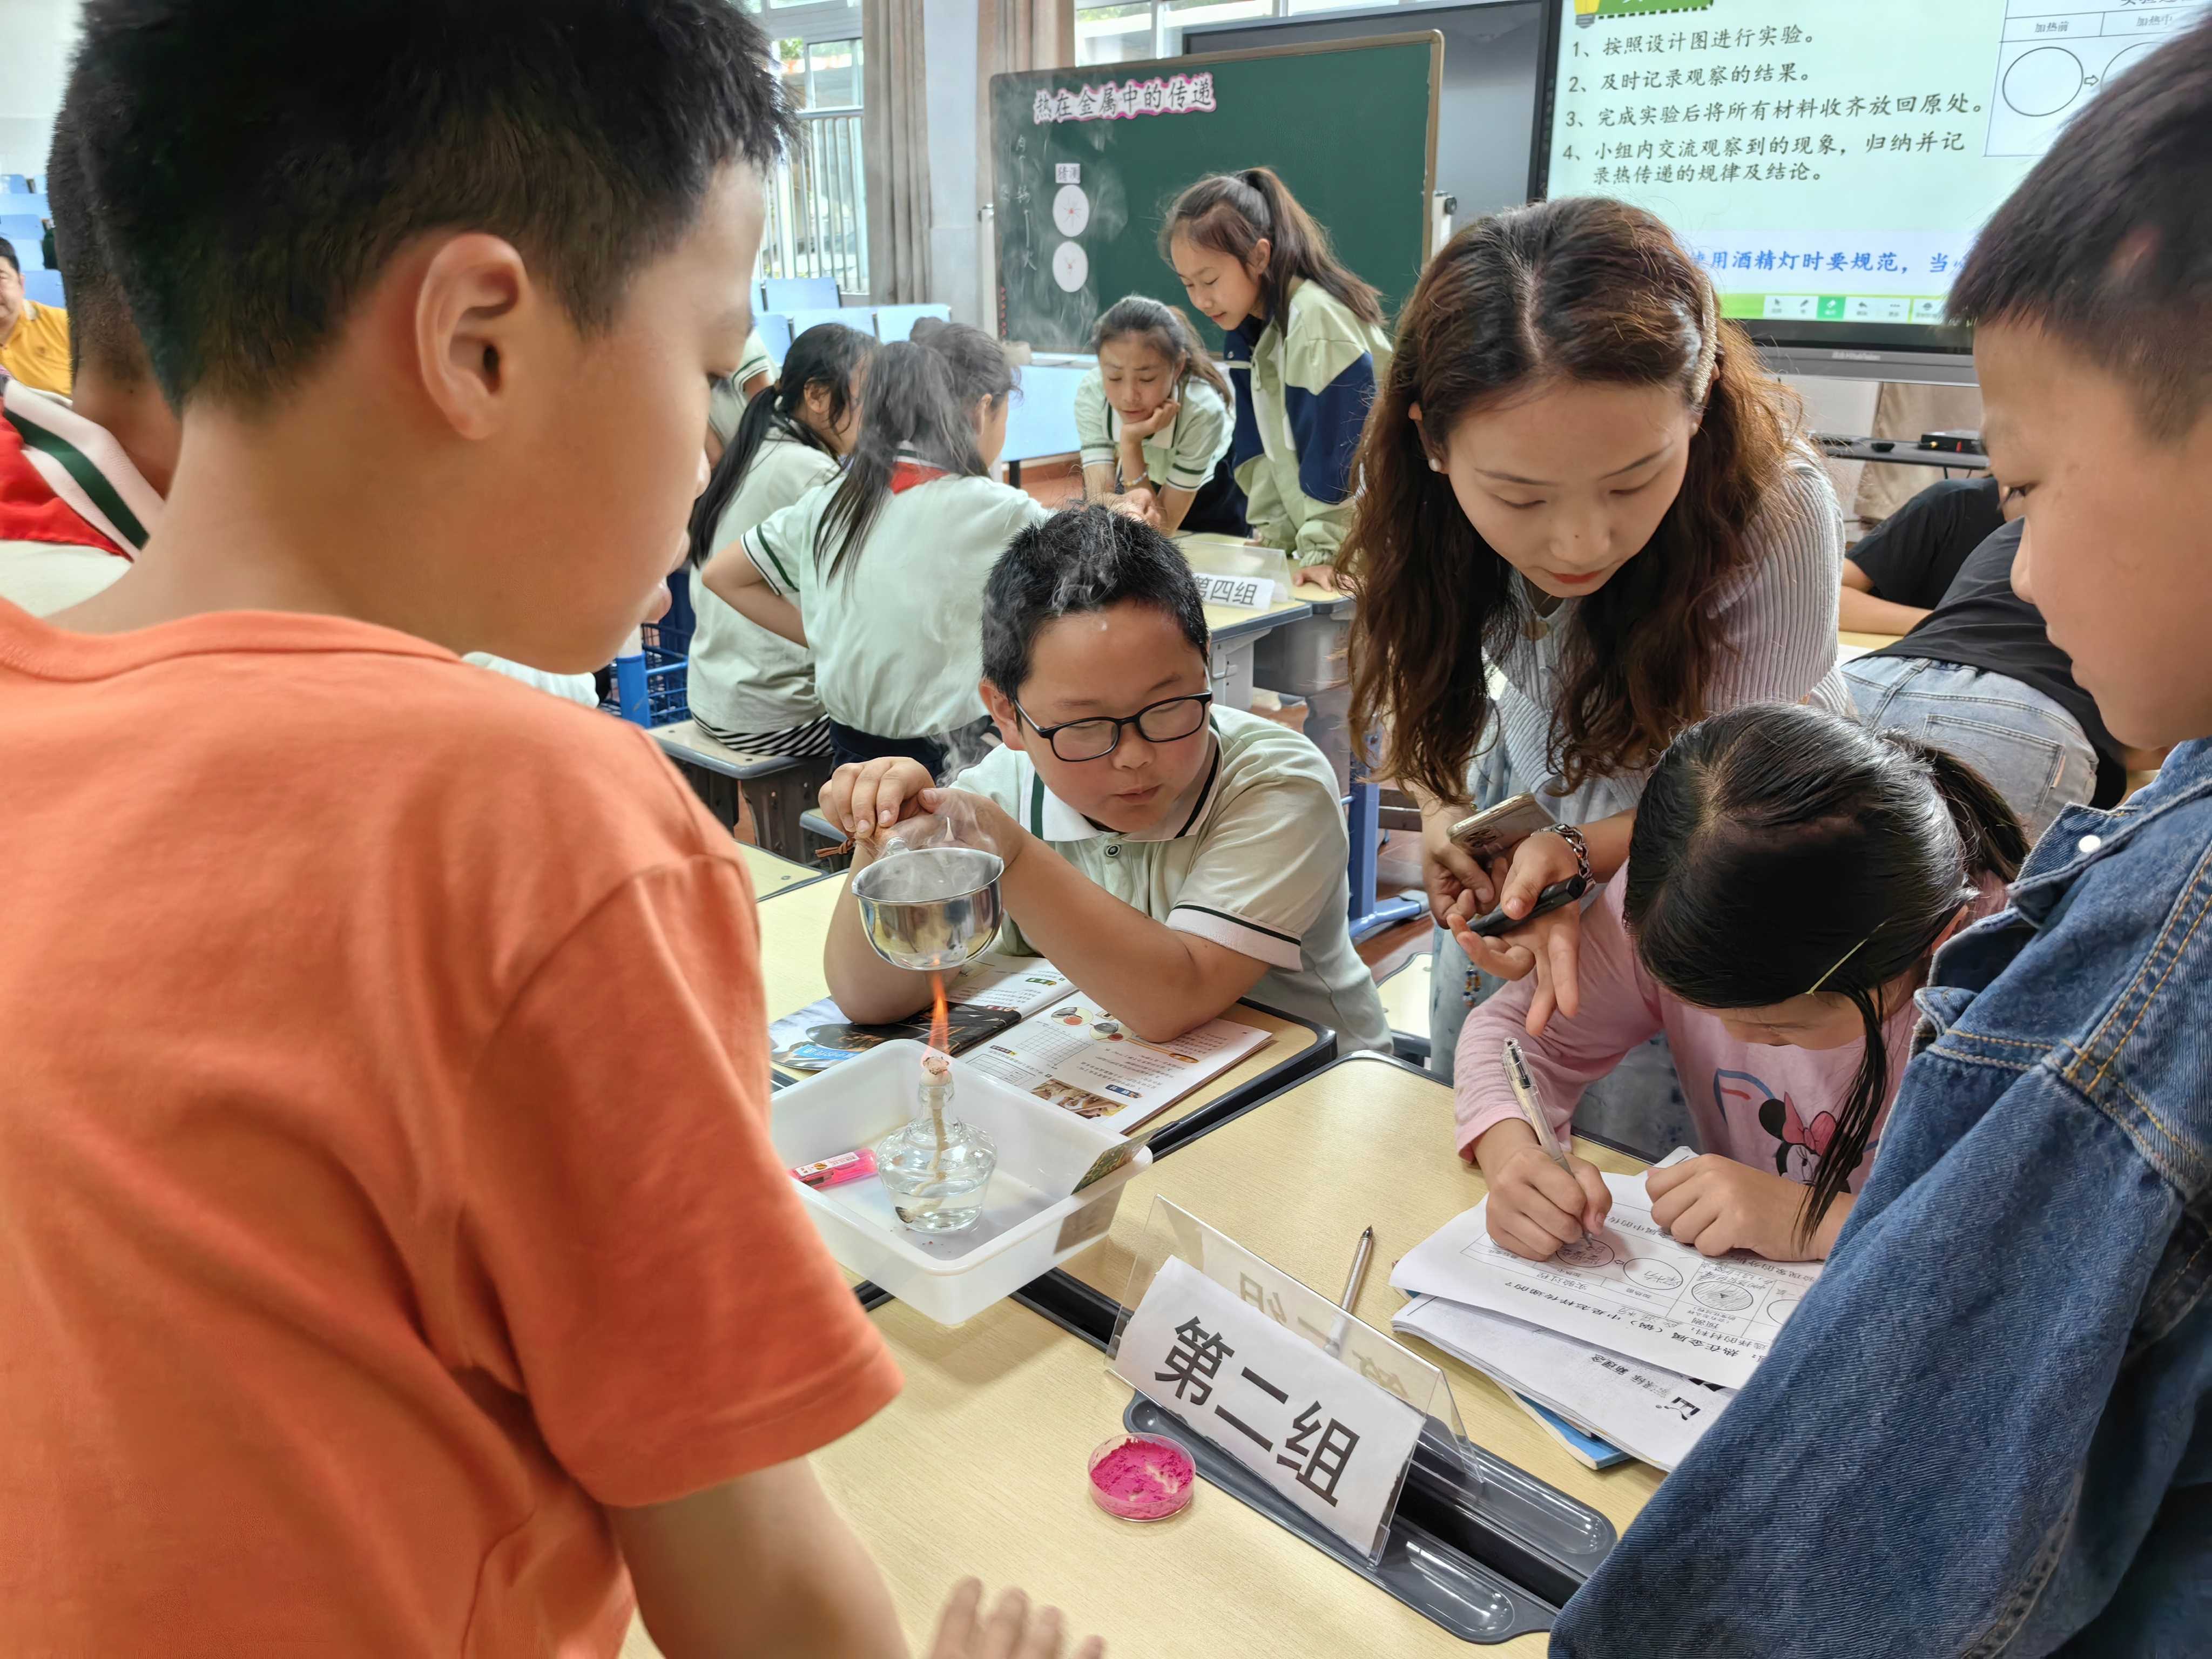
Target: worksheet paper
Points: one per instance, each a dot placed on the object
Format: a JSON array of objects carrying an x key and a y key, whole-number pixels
[
  {"x": 1077, "y": 1055},
  {"x": 1628, "y": 1287},
  {"x": 1649, "y": 1412}
]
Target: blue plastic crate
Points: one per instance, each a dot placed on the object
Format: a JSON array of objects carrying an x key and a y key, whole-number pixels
[{"x": 651, "y": 687}]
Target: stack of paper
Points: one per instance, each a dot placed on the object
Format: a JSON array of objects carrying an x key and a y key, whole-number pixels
[{"x": 1626, "y": 1333}]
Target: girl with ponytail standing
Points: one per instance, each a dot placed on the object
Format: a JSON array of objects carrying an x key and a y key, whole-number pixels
[
  {"x": 1307, "y": 339},
  {"x": 1790, "y": 876}
]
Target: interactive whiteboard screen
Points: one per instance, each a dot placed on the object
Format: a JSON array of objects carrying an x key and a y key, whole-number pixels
[{"x": 1830, "y": 164}]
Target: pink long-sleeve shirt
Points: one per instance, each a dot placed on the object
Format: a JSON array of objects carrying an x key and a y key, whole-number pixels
[{"x": 1771, "y": 1108}]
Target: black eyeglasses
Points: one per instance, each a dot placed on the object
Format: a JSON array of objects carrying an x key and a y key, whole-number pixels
[{"x": 1168, "y": 721}]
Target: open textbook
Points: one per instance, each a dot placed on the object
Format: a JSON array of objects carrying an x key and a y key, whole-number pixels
[
  {"x": 989, "y": 995},
  {"x": 1075, "y": 1054},
  {"x": 1629, "y": 1288},
  {"x": 1020, "y": 1020}
]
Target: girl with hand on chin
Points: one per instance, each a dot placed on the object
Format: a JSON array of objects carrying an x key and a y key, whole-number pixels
[
  {"x": 1792, "y": 877},
  {"x": 1587, "y": 521},
  {"x": 1153, "y": 418}
]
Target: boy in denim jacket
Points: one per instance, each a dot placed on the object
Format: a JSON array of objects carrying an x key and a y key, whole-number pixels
[{"x": 1986, "y": 1430}]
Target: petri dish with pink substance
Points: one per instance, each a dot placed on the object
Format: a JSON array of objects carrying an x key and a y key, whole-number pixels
[{"x": 1142, "y": 1477}]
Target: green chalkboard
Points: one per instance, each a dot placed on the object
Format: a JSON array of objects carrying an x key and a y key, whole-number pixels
[{"x": 1088, "y": 160}]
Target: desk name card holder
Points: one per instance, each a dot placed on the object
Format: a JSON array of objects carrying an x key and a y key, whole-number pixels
[
  {"x": 1236, "y": 592},
  {"x": 1338, "y": 1433}
]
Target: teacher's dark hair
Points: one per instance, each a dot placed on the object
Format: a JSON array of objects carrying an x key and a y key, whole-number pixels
[
  {"x": 1585, "y": 290},
  {"x": 1781, "y": 850}
]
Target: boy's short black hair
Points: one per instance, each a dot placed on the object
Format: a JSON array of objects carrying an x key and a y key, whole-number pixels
[
  {"x": 100, "y": 329},
  {"x": 2107, "y": 244},
  {"x": 257, "y": 166},
  {"x": 1085, "y": 558},
  {"x": 7, "y": 253}
]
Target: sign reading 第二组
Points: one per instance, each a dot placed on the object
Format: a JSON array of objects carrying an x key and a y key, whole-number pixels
[{"x": 1324, "y": 1437}]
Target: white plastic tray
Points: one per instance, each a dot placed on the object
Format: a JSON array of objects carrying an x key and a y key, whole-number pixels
[{"x": 1030, "y": 1224}]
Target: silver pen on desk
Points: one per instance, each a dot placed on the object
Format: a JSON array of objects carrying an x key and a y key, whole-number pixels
[
  {"x": 1334, "y": 1349},
  {"x": 1524, "y": 1090},
  {"x": 1359, "y": 1270}
]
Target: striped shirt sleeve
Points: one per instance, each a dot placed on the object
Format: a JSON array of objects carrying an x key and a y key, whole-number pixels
[{"x": 1779, "y": 622}]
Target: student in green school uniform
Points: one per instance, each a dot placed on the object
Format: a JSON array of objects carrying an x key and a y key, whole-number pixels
[
  {"x": 1312, "y": 337},
  {"x": 1169, "y": 857},
  {"x": 1154, "y": 422},
  {"x": 749, "y": 687},
  {"x": 733, "y": 393},
  {"x": 881, "y": 571}
]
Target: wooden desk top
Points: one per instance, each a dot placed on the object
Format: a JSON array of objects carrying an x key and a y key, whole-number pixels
[
  {"x": 1226, "y": 622},
  {"x": 792, "y": 930},
  {"x": 687, "y": 740},
  {"x": 1363, "y": 1142},
  {"x": 772, "y": 874},
  {"x": 978, "y": 1468},
  {"x": 1857, "y": 644},
  {"x": 999, "y": 1416},
  {"x": 1326, "y": 602}
]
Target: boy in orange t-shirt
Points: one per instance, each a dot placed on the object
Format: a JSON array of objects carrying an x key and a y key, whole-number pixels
[{"x": 393, "y": 1259}]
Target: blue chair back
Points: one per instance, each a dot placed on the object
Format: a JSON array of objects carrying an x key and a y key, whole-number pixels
[
  {"x": 775, "y": 330},
  {"x": 858, "y": 317},
  {"x": 44, "y": 287},
  {"x": 28, "y": 235},
  {"x": 897, "y": 322},
  {"x": 788, "y": 294}
]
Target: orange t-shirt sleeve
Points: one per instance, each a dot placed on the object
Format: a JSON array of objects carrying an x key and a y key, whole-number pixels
[{"x": 631, "y": 1255}]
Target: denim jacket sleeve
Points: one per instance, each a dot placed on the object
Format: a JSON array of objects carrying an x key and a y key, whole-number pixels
[{"x": 1964, "y": 1437}]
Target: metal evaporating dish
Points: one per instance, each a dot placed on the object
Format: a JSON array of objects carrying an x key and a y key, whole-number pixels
[{"x": 931, "y": 907}]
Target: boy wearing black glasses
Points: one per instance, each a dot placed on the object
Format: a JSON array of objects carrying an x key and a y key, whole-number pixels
[{"x": 1168, "y": 856}]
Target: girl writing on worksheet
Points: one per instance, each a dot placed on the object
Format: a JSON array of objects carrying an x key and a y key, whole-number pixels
[
  {"x": 1587, "y": 519},
  {"x": 881, "y": 570},
  {"x": 1790, "y": 875},
  {"x": 1306, "y": 341},
  {"x": 752, "y": 688},
  {"x": 1154, "y": 422}
]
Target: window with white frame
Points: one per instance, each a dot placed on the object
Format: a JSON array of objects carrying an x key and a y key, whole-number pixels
[
  {"x": 1153, "y": 28},
  {"x": 818, "y": 201}
]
